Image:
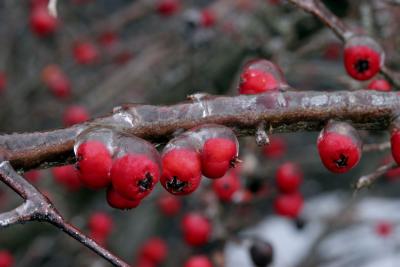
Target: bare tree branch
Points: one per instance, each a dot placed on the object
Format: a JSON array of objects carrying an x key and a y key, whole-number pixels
[{"x": 369, "y": 179}]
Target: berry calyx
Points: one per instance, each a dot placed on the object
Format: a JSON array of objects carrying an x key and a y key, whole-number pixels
[
  {"x": 198, "y": 261},
  {"x": 289, "y": 205},
  {"x": 6, "y": 259},
  {"x": 56, "y": 80},
  {"x": 261, "y": 253},
  {"x": 196, "y": 229},
  {"x": 181, "y": 171},
  {"x": 380, "y": 85},
  {"x": 115, "y": 200},
  {"x": 217, "y": 156},
  {"x": 134, "y": 175},
  {"x": 94, "y": 164},
  {"x": 155, "y": 250},
  {"x": 74, "y": 115},
  {"x": 227, "y": 186},
  {"x": 85, "y": 53},
  {"x": 339, "y": 147},
  {"x": 260, "y": 76},
  {"x": 362, "y": 58},
  {"x": 67, "y": 176},
  {"x": 289, "y": 177},
  {"x": 41, "y": 22},
  {"x": 168, "y": 7},
  {"x": 169, "y": 205}
]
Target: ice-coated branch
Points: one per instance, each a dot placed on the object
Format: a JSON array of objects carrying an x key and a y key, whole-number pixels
[
  {"x": 38, "y": 207},
  {"x": 288, "y": 111},
  {"x": 367, "y": 180}
]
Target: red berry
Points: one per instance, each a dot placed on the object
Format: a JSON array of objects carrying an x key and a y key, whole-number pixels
[
  {"x": 395, "y": 145},
  {"x": 168, "y": 7},
  {"x": 289, "y": 178},
  {"x": 134, "y": 176},
  {"x": 181, "y": 171},
  {"x": 142, "y": 262},
  {"x": 100, "y": 223},
  {"x": 332, "y": 51},
  {"x": 38, "y": 3},
  {"x": 339, "y": 147},
  {"x": 41, "y": 22},
  {"x": 85, "y": 53},
  {"x": 94, "y": 164},
  {"x": 362, "y": 58},
  {"x": 289, "y": 205},
  {"x": 123, "y": 57},
  {"x": 3, "y": 81},
  {"x": 32, "y": 176},
  {"x": 384, "y": 228},
  {"x": 67, "y": 176},
  {"x": 207, "y": 18},
  {"x": 217, "y": 156},
  {"x": 198, "y": 261},
  {"x": 6, "y": 259},
  {"x": 380, "y": 85},
  {"x": 227, "y": 186},
  {"x": 75, "y": 115},
  {"x": 108, "y": 39},
  {"x": 115, "y": 200},
  {"x": 56, "y": 80},
  {"x": 196, "y": 229},
  {"x": 154, "y": 250},
  {"x": 260, "y": 76},
  {"x": 169, "y": 205},
  {"x": 276, "y": 148}
]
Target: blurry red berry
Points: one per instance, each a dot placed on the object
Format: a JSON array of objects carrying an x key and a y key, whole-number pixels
[
  {"x": 134, "y": 176},
  {"x": 289, "y": 177},
  {"x": 38, "y": 3},
  {"x": 333, "y": 51},
  {"x": 74, "y": 115},
  {"x": 100, "y": 223},
  {"x": 6, "y": 259},
  {"x": 217, "y": 156},
  {"x": 276, "y": 148},
  {"x": 384, "y": 228},
  {"x": 168, "y": 7},
  {"x": 41, "y": 22},
  {"x": 67, "y": 176},
  {"x": 143, "y": 262},
  {"x": 154, "y": 250},
  {"x": 169, "y": 205},
  {"x": 115, "y": 200},
  {"x": 85, "y": 53},
  {"x": 227, "y": 186},
  {"x": 108, "y": 39},
  {"x": 181, "y": 171},
  {"x": 56, "y": 80},
  {"x": 196, "y": 229},
  {"x": 198, "y": 261},
  {"x": 339, "y": 147},
  {"x": 289, "y": 205},
  {"x": 123, "y": 57},
  {"x": 395, "y": 145},
  {"x": 32, "y": 176},
  {"x": 3, "y": 81},
  {"x": 380, "y": 85},
  {"x": 94, "y": 164},
  {"x": 207, "y": 18}
]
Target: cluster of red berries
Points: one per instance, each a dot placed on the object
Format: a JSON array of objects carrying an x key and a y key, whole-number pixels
[
  {"x": 289, "y": 202},
  {"x": 208, "y": 150}
]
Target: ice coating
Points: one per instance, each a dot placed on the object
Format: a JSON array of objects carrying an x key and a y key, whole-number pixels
[
  {"x": 342, "y": 128},
  {"x": 96, "y": 133},
  {"x": 362, "y": 40}
]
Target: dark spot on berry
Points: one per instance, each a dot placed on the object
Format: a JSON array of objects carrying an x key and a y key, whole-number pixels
[
  {"x": 146, "y": 183},
  {"x": 362, "y": 65},
  {"x": 261, "y": 253},
  {"x": 342, "y": 161},
  {"x": 175, "y": 185}
]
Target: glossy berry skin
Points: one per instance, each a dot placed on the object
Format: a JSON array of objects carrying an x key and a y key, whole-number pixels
[
  {"x": 196, "y": 229},
  {"x": 339, "y": 152},
  {"x": 288, "y": 177},
  {"x": 85, "y": 53},
  {"x": 289, "y": 205},
  {"x": 41, "y": 22},
  {"x": 101, "y": 223},
  {"x": 227, "y": 186},
  {"x": 217, "y": 156},
  {"x": 168, "y": 7},
  {"x": 57, "y": 82},
  {"x": 94, "y": 164},
  {"x": 361, "y": 62},
  {"x": 74, "y": 115},
  {"x": 207, "y": 18},
  {"x": 198, "y": 261},
  {"x": 6, "y": 259},
  {"x": 261, "y": 253},
  {"x": 169, "y": 205},
  {"x": 67, "y": 176},
  {"x": 254, "y": 81},
  {"x": 155, "y": 250},
  {"x": 134, "y": 176},
  {"x": 380, "y": 85},
  {"x": 3, "y": 81},
  {"x": 395, "y": 145},
  {"x": 276, "y": 148},
  {"x": 115, "y": 200},
  {"x": 181, "y": 171}
]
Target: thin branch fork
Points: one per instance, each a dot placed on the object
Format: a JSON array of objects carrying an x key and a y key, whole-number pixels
[{"x": 38, "y": 207}]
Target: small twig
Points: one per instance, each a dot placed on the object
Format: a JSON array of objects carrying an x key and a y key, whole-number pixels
[
  {"x": 376, "y": 147},
  {"x": 38, "y": 207},
  {"x": 369, "y": 179},
  {"x": 262, "y": 138},
  {"x": 52, "y": 6}
]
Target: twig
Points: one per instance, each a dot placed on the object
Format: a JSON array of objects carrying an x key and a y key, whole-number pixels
[
  {"x": 369, "y": 179},
  {"x": 38, "y": 207},
  {"x": 52, "y": 6}
]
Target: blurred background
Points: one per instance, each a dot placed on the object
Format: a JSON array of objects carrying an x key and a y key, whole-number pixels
[{"x": 98, "y": 54}]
